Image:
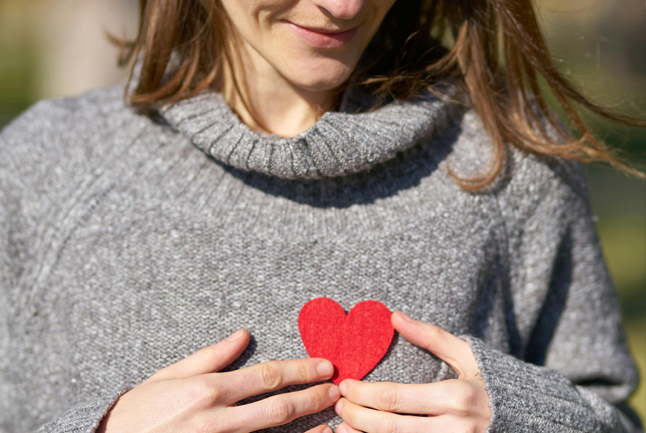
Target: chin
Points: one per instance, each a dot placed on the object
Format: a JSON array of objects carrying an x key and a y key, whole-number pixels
[{"x": 319, "y": 74}]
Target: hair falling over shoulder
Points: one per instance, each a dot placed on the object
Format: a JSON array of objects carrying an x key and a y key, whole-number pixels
[{"x": 496, "y": 54}]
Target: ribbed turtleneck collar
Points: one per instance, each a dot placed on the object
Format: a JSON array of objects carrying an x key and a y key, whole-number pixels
[{"x": 338, "y": 144}]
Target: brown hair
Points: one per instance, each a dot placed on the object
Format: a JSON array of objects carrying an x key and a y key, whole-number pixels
[{"x": 496, "y": 53}]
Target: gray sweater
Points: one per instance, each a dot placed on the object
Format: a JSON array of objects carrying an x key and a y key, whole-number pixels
[{"x": 128, "y": 242}]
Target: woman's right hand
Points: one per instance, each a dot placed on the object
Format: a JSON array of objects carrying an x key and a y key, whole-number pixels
[{"x": 190, "y": 396}]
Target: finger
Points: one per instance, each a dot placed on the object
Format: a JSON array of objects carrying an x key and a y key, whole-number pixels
[
  {"x": 446, "y": 346},
  {"x": 284, "y": 408},
  {"x": 345, "y": 428},
  {"x": 374, "y": 421},
  {"x": 272, "y": 375},
  {"x": 428, "y": 399},
  {"x": 320, "y": 429},
  {"x": 207, "y": 360}
]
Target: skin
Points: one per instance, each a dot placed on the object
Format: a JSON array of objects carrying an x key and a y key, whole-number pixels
[
  {"x": 288, "y": 83},
  {"x": 458, "y": 405},
  {"x": 190, "y": 396}
]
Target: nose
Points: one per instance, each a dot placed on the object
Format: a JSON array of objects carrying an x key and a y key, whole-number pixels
[{"x": 341, "y": 9}]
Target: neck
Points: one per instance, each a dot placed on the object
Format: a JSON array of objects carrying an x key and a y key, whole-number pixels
[{"x": 265, "y": 101}]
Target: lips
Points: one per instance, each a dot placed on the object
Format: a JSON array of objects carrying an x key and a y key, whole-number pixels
[{"x": 321, "y": 38}]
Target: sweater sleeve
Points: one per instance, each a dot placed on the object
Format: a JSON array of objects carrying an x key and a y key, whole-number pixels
[
  {"x": 570, "y": 369},
  {"x": 84, "y": 418},
  {"x": 34, "y": 344}
]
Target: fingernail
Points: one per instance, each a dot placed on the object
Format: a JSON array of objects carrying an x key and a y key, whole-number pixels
[
  {"x": 334, "y": 393},
  {"x": 341, "y": 429},
  {"x": 405, "y": 317},
  {"x": 236, "y": 335},
  {"x": 325, "y": 369},
  {"x": 343, "y": 387},
  {"x": 327, "y": 430}
]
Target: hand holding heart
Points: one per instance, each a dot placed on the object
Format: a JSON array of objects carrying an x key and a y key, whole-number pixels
[
  {"x": 460, "y": 404},
  {"x": 192, "y": 395}
]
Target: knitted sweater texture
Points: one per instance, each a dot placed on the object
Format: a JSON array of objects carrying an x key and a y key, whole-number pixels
[{"x": 128, "y": 242}]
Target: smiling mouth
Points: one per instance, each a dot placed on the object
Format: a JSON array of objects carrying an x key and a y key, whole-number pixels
[{"x": 322, "y": 38}]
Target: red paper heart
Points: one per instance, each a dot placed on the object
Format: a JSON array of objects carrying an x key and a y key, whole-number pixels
[{"x": 353, "y": 343}]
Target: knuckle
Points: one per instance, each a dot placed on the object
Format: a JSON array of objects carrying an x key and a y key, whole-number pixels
[
  {"x": 280, "y": 412},
  {"x": 205, "y": 423},
  {"x": 387, "y": 425},
  {"x": 207, "y": 392},
  {"x": 200, "y": 424},
  {"x": 304, "y": 372},
  {"x": 270, "y": 376},
  {"x": 388, "y": 399},
  {"x": 464, "y": 401},
  {"x": 318, "y": 402}
]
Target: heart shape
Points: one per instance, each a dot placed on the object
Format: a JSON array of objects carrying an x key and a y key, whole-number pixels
[{"x": 353, "y": 343}]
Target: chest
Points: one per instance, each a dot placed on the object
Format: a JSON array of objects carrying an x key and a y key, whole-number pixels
[
  {"x": 157, "y": 284},
  {"x": 148, "y": 277}
]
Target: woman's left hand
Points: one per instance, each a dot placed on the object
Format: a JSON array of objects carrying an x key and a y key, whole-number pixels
[{"x": 460, "y": 404}]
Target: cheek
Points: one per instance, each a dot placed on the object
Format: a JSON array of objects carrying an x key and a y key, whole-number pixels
[
  {"x": 386, "y": 4},
  {"x": 381, "y": 8},
  {"x": 250, "y": 17}
]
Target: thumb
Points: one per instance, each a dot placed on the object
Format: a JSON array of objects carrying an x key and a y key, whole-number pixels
[
  {"x": 446, "y": 346},
  {"x": 207, "y": 360}
]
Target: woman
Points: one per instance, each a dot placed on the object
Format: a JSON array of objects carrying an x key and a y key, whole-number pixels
[{"x": 274, "y": 151}]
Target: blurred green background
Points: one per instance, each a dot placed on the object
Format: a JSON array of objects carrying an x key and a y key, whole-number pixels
[{"x": 57, "y": 47}]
